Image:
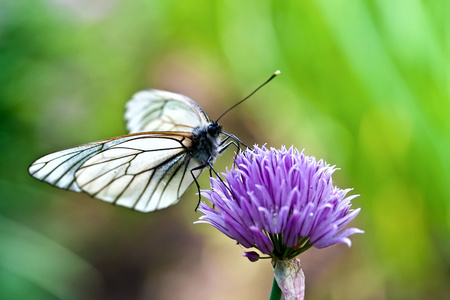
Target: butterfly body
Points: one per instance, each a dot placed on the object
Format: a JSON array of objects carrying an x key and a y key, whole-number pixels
[{"x": 205, "y": 143}]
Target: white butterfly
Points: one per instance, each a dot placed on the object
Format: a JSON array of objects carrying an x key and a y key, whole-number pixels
[{"x": 171, "y": 141}]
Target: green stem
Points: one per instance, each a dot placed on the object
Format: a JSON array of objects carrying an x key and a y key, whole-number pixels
[{"x": 275, "y": 294}]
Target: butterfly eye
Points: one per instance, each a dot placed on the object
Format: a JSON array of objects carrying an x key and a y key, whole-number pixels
[{"x": 214, "y": 128}]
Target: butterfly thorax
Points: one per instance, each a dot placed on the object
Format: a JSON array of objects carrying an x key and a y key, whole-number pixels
[{"x": 205, "y": 142}]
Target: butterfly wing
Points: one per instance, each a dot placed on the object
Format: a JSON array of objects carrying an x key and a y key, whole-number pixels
[
  {"x": 58, "y": 168},
  {"x": 156, "y": 110},
  {"x": 143, "y": 171}
]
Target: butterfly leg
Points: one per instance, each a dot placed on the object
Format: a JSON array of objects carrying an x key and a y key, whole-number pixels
[
  {"x": 211, "y": 170},
  {"x": 201, "y": 167},
  {"x": 196, "y": 183},
  {"x": 223, "y": 148},
  {"x": 238, "y": 141},
  {"x": 218, "y": 176}
]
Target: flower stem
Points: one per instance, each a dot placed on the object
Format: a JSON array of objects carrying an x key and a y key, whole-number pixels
[{"x": 275, "y": 294}]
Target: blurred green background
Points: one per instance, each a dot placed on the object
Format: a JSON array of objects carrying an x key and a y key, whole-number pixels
[{"x": 365, "y": 85}]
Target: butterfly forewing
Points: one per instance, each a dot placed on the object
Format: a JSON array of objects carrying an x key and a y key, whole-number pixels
[
  {"x": 145, "y": 173},
  {"x": 156, "y": 110},
  {"x": 59, "y": 168}
]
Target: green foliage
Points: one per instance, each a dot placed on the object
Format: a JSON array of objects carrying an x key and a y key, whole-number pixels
[{"x": 364, "y": 85}]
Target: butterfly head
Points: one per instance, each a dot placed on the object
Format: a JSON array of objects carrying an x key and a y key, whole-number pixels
[{"x": 214, "y": 128}]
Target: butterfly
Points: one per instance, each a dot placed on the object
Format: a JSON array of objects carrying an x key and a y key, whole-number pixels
[{"x": 170, "y": 142}]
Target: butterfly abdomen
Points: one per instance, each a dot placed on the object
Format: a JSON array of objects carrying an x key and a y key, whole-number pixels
[{"x": 205, "y": 143}]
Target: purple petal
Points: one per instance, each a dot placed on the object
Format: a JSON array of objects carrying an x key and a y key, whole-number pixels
[{"x": 263, "y": 243}]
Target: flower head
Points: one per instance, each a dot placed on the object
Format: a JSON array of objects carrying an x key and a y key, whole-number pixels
[{"x": 281, "y": 202}]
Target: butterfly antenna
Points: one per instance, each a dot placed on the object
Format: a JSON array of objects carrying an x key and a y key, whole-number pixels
[{"x": 267, "y": 81}]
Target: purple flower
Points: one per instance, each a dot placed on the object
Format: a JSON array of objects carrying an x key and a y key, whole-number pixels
[
  {"x": 252, "y": 256},
  {"x": 281, "y": 202}
]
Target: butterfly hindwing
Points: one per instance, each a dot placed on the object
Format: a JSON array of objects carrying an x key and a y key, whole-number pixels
[{"x": 156, "y": 110}]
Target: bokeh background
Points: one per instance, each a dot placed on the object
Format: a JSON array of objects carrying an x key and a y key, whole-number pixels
[{"x": 364, "y": 85}]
